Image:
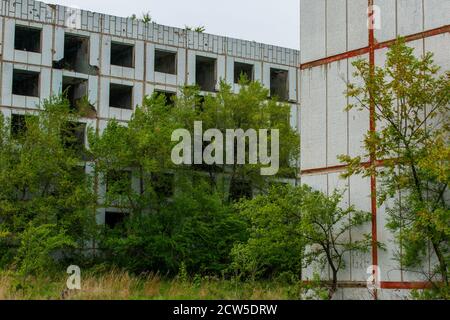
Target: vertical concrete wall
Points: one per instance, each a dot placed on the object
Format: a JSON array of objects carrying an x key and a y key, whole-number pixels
[{"x": 333, "y": 34}]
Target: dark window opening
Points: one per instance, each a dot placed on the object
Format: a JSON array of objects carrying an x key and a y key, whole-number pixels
[
  {"x": 75, "y": 90},
  {"x": 169, "y": 96},
  {"x": 165, "y": 62},
  {"x": 240, "y": 189},
  {"x": 118, "y": 181},
  {"x": 122, "y": 55},
  {"x": 73, "y": 136},
  {"x": 279, "y": 86},
  {"x": 120, "y": 96},
  {"x": 18, "y": 125},
  {"x": 205, "y": 73},
  {"x": 27, "y": 39},
  {"x": 163, "y": 184},
  {"x": 243, "y": 69},
  {"x": 25, "y": 83},
  {"x": 114, "y": 220},
  {"x": 76, "y": 54}
]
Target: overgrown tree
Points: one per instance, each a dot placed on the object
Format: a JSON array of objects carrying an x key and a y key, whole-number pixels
[
  {"x": 43, "y": 184},
  {"x": 410, "y": 97}
]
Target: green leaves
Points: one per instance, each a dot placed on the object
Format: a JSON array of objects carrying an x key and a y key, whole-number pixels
[{"x": 411, "y": 97}]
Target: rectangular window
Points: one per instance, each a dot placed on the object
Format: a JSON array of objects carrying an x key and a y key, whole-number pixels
[
  {"x": 118, "y": 182},
  {"x": 205, "y": 73},
  {"x": 76, "y": 53},
  {"x": 243, "y": 69},
  {"x": 165, "y": 62},
  {"x": 76, "y": 91},
  {"x": 27, "y": 39},
  {"x": 122, "y": 55},
  {"x": 18, "y": 125},
  {"x": 120, "y": 96},
  {"x": 169, "y": 96},
  {"x": 73, "y": 135},
  {"x": 279, "y": 85},
  {"x": 114, "y": 220},
  {"x": 163, "y": 184},
  {"x": 25, "y": 83}
]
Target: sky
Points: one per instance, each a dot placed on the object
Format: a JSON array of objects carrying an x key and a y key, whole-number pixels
[{"x": 264, "y": 21}]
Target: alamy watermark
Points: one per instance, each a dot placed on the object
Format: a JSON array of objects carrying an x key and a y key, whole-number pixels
[{"x": 230, "y": 150}]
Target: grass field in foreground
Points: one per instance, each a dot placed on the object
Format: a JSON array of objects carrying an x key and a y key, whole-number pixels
[{"x": 123, "y": 286}]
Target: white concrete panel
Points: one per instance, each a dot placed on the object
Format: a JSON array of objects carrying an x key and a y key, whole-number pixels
[
  {"x": 105, "y": 55},
  {"x": 358, "y": 34},
  {"x": 312, "y": 30},
  {"x": 57, "y": 82},
  {"x": 336, "y": 27},
  {"x": 389, "y": 268},
  {"x": 104, "y": 98},
  {"x": 139, "y": 64},
  {"x": 358, "y": 121},
  {"x": 6, "y": 75},
  {"x": 93, "y": 91},
  {"x": 94, "y": 50},
  {"x": 292, "y": 84},
  {"x": 388, "y": 23},
  {"x": 8, "y": 44},
  {"x": 59, "y": 44},
  {"x": 440, "y": 46},
  {"x": 313, "y": 118},
  {"x": 337, "y": 135},
  {"x": 316, "y": 181},
  {"x": 191, "y": 67},
  {"x": 47, "y": 45},
  {"x": 336, "y": 183},
  {"x": 360, "y": 198},
  {"x": 437, "y": 13},
  {"x": 1, "y": 34},
  {"x": 410, "y": 17},
  {"x": 45, "y": 83}
]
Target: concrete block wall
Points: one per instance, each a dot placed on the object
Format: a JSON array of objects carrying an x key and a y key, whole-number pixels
[
  {"x": 103, "y": 29},
  {"x": 333, "y": 33}
]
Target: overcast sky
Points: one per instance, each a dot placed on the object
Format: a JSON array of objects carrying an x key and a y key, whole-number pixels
[{"x": 268, "y": 21}]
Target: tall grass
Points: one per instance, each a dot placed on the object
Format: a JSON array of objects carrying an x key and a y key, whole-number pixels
[{"x": 119, "y": 285}]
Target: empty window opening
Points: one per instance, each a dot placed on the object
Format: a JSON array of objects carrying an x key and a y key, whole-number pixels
[
  {"x": 73, "y": 136},
  {"x": 75, "y": 90},
  {"x": 114, "y": 220},
  {"x": 25, "y": 83},
  {"x": 122, "y": 55},
  {"x": 18, "y": 125},
  {"x": 243, "y": 70},
  {"x": 240, "y": 189},
  {"x": 169, "y": 96},
  {"x": 205, "y": 73},
  {"x": 120, "y": 96},
  {"x": 165, "y": 62},
  {"x": 163, "y": 184},
  {"x": 27, "y": 39},
  {"x": 118, "y": 182},
  {"x": 279, "y": 86},
  {"x": 76, "y": 53}
]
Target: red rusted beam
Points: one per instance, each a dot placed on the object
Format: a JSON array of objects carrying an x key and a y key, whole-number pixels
[
  {"x": 377, "y": 46},
  {"x": 405, "y": 285}
]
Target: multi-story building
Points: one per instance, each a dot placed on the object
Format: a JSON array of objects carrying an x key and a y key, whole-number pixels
[{"x": 115, "y": 62}]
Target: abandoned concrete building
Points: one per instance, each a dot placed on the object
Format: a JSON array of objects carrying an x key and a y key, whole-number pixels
[{"x": 109, "y": 64}]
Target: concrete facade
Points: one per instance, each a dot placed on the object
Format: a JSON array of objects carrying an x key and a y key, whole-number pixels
[
  {"x": 99, "y": 36},
  {"x": 333, "y": 33}
]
